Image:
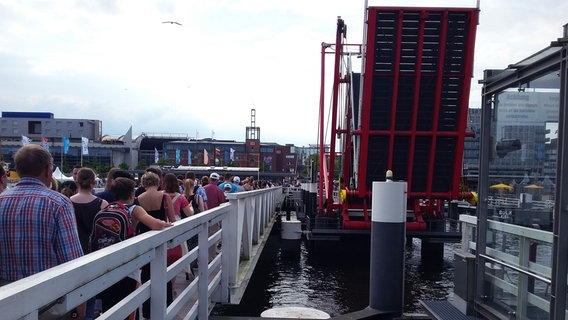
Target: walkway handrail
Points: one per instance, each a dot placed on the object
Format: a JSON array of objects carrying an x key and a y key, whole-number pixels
[
  {"x": 509, "y": 264},
  {"x": 244, "y": 220}
]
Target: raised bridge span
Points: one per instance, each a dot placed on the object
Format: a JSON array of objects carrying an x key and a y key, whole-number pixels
[{"x": 246, "y": 220}]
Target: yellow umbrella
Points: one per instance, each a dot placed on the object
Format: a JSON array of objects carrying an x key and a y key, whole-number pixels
[
  {"x": 501, "y": 186},
  {"x": 534, "y": 186}
]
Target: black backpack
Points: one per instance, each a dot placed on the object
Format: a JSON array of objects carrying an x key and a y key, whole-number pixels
[
  {"x": 193, "y": 202},
  {"x": 111, "y": 225}
]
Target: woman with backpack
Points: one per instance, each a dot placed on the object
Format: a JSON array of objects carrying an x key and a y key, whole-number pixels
[
  {"x": 182, "y": 209},
  {"x": 160, "y": 206},
  {"x": 123, "y": 192},
  {"x": 190, "y": 193},
  {"x": 196, "y": 201},
  {"x": 86, "y": 205}
]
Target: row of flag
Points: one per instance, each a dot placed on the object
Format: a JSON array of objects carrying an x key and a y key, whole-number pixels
[
  {"x": 45, "y": 144},
  {"x": 229, "y": 156}
]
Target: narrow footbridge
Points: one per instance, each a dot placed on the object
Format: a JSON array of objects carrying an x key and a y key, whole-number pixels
[{"x": 246, "y": 220}]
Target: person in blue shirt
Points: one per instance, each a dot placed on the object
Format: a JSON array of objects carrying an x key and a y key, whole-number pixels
[{"x": 227, "y": 181}]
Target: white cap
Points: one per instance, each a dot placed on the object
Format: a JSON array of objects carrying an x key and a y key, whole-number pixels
[
  {"x": 236, "y": 179},
  {"x": 214, "y": 175}
]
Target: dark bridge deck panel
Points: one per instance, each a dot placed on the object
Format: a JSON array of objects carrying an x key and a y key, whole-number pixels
[{"x": 418, "y": 70}]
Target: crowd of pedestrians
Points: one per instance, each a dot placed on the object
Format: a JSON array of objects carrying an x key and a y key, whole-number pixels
[{"x": 44, "y": 224}]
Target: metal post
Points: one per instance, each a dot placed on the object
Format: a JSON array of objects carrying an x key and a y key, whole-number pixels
[{"x": 388, "y": 233}]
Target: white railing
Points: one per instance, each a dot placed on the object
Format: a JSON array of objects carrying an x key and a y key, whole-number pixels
[
  {"x": 515, "y": 202},
  {"x": 245, "y": 222},
  {"x": 517, "y": 269}
]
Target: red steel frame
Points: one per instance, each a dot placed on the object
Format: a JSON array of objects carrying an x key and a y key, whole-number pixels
[{"x": 415, "y": 197}]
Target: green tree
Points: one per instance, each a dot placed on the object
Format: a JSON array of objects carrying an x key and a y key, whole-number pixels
[
  {"x": 65, "y": 165},
  {"x": 311, "y": 163},
  {"x": 141, "y": 165},
  {"x": 161, "y": 161},
  {"x": 312, "y": 159},
  {"x": 104, "y": 168},
  {"x": 123, "y": 165},
  {"x": 96, "y": 164}
]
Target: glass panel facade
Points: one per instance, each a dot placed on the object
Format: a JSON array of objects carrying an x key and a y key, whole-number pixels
[{"x": 520, "y": 197}]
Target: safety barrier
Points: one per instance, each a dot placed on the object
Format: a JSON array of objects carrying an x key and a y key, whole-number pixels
[
  {"x": 245, "y": 222},
  {"x": 517, "y": 269}
]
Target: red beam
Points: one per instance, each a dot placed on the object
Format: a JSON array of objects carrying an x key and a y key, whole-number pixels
[
  {"x": 464, "y": 102},
  {"x": 437, "y": 101},
  {"x": 367, "y": 76},
  {"x": 416, "y": 97},
  {"x": 396, "y": 77}
]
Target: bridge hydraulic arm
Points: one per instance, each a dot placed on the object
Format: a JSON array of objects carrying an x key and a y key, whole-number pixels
[
  {"x": 340, "y": 35},
  {"x": 324, "y": 46}
]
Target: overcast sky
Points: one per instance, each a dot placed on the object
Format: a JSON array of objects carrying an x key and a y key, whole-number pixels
[{"x": 116, "y": 61}]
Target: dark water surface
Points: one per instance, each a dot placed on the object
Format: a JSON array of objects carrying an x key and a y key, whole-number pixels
[{"x": 334, "y": 277}]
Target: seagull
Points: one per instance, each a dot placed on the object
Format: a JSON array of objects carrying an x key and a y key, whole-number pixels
[{"x": 172, "y": 22}]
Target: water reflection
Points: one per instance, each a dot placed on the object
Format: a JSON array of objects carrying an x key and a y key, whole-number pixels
[{"x": 334, "y": 277}]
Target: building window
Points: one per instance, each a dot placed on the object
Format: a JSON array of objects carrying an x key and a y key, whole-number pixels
[{"x": 34, "y": 127}]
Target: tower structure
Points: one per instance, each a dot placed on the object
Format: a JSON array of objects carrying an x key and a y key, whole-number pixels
[{"x": 252, "y": 141}]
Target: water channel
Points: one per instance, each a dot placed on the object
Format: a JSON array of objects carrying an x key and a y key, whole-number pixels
[{"x": 334, "y": 277}]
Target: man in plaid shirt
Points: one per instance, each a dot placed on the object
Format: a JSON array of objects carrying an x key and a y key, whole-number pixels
[{"x": 37, "y": 225}]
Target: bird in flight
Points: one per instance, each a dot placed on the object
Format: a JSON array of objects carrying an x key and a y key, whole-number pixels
[{"x": 172, "y": 22}]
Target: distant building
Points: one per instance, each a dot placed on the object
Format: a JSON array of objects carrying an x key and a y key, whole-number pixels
[
  {"x": 470, "y": 161},
  {"x": 107, "y": 151},
  {"x": 43, "y": 128}
]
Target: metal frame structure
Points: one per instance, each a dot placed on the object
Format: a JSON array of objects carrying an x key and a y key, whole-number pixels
[
  {"x": 412, "y": 114},
  {"x": 548, "y": 60}
]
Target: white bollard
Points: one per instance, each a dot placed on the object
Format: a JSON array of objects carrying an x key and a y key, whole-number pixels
[
  {"x": 294, "y": 313},
  {"x": 388, "y": 235}
]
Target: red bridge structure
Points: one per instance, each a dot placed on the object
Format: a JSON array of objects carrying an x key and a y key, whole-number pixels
[{"x": 406, "y": 111}]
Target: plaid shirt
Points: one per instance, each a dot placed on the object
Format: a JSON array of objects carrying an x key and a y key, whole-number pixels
[{"x": 37, "y": 230}]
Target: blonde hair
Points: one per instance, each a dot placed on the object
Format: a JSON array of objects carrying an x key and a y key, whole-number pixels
[
  {"x": 150, "y": 179},
  {"x": 188, "y": 185}
]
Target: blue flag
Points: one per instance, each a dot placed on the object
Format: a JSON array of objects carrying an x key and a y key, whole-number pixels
[
  {"x": 178, "y": 156},
  {"x": 188, "y": 157},
  {"x": 65, "y": 145}
]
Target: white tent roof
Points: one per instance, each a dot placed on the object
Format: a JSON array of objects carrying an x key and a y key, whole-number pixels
[{"x": 59, "y": 176}]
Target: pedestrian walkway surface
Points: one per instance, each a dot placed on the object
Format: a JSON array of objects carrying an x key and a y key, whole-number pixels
[
  {"x": 181, "y": 282},
  {"x": 444, "y": 310}
]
